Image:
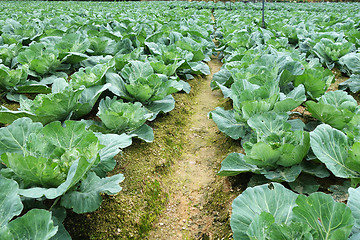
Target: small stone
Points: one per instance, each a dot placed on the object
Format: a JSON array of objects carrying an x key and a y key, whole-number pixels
[
  {"x": 118, "y": 230},
  {"x": 183, "y": 228},
  {"x": 184, "y": 220},
  {"x": 161, "y": 224}
]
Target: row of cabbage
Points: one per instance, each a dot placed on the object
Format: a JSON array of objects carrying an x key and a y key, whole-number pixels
[
  {"x": 64, "y": 62},
  {"x": 292, "y": 129}
]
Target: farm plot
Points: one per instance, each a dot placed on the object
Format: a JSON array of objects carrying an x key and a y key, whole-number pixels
[{"x": 97, "y": 97}]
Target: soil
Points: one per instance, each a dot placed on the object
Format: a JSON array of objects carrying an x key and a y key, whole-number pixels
[
  {"x": 195, "y": 174},
  {"x": 339, "y": 78}
]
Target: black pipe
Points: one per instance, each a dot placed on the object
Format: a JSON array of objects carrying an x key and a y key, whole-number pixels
[{"x": 263, "y": 17}]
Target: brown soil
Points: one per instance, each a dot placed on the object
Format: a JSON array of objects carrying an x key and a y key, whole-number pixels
[
  {"x": 194, "y": 176},
  {"x": 339, "y": 78},
  {"x": 304, "y": 116}
]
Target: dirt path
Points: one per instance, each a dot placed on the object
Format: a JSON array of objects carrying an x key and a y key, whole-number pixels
[{"x": 192, "y": 176}]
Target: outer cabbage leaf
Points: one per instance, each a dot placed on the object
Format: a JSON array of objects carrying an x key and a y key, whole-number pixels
[
  {"x": 8, "y": 116},
  {"x": 235, "y": 164},
  {"x": 281, "y": 174},
  {"x": 335, "y": 108},
  {"x": 58, "y": 217},
  {"x": 145, "y": 132},
  {"x": 293, "y": 231},
  {"x": 199, "y": 68},
  {"x": 332, "y": 147},
  {"x": 222, "y": 77},
  {"x": 353, "y": 204},
  {"x": 117, "y": 85},
  {"x": 260, "y": 226},
  {"x": 189, "y": 44},
  {"x": 35, "y": 224},
  {"x": 355, "y": 236},
  {"x": 228, "y": 124},
  {"x": 31, "y": 87},
  {"x": 113, "y": 144},
  {"x": 88, "y": 99},
  {"x": 353, "y": 83},
  {"x": 164, "y": 105},
  {"x": 315, "y": 79},
  {"x": 14, "y": 136},
  {"x": 10, "y": 202},
  {"x": 315, "y": 168},
  {"x": 122, "y": 59},
  {"x": 339, "y": 99},
  {"x": 330, "y": 219},
  {"x": 305, "y": 184},
  {"x": 327, "y": 114},
  {"x": 292, "y": 100},
  {"x": 264, "y": 227},
  {"x": 290, "y": 69},
  {"x": 87, "y": 198},
  {"x": 273, "y": 199},
  {"x": 352, "y": 62}
]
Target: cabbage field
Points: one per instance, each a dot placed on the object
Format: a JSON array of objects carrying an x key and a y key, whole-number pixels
[{"x": 91, "y": 88}]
